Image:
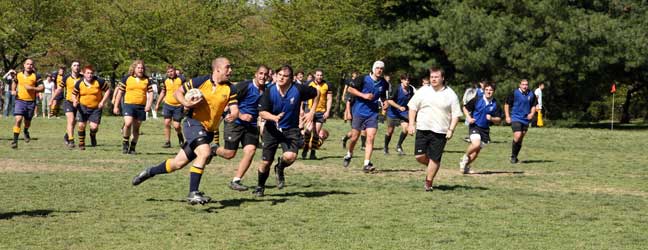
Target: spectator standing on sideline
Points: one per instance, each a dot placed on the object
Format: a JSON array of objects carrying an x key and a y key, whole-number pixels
[
  {"x": 538, "y": 121},
  {"x": 47, "y": 95},
  {"x": 10, "y": 97},
  {"x": 519, "y": 109},
  {"x": 433, "y": 113}
]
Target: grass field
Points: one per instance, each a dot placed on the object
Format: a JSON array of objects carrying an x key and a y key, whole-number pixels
[{"x": 576, "y": 189}]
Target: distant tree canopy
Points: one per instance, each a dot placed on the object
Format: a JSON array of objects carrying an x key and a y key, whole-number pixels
[{"x": 579, "y": 48}]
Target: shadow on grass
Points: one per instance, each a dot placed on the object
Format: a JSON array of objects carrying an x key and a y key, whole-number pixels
[
  {"x": 401, "y": 170},
  {"x": 457, "y": 187},
  {"x": 160, "y": 153},
  {"x": 32, "y": 213},
  {"x": 313, "y": 194},
  {"x": 331, "y": 157},
  {"x": 19, "y": 139},
  {"x": 237, "y": 203},
  {"x": 496, "y": 172},
  {"x": 617, "y": 126},
  {"x": 535, "y": 161}
]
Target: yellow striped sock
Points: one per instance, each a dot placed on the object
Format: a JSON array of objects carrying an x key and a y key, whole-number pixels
[
  {"x": 16, "y": 129},
  {"x": 196, "y": 170}
]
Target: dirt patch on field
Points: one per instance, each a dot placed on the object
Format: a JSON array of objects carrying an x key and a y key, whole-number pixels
[{"x": 10, "y": 165}]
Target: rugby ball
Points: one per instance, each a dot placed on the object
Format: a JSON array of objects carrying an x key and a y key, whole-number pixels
[{"x": 193, "y": 94}]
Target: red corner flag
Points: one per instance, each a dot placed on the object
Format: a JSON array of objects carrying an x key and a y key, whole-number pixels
[{"x": 613, "y": 90}]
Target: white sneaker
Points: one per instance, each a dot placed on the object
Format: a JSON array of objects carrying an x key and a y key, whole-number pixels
[{"x": 463, "y": 163}]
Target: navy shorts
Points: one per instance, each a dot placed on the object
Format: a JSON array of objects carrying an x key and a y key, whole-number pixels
[
  {"x": 429, "y": 143},
  {"x": 87, "y": 114},
  {"x": 518, "y": 126},
  {"x": 319, "y": 117},
  {"x": 362, "y": 123},
  {"x": 195, "y": 135},
  {"x": 69, "y": 107},
  {"x": 396, "y": 122},
  {"x": 175, "y": 113},
  {"x": 134, "y": 110},
  {"x": 24, "y": 109},
  {"x": 59, "y": 97},
  {"x": 484, "y": 133}
]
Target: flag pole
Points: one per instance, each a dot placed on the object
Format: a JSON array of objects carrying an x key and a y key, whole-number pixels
[{"x": 612, "y": 120}]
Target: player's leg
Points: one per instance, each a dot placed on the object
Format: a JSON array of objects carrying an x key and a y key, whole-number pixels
[
  {"x": 81, "y": 132},
  {"x": 167, "y": 132},
  {"x": 403, "y": 135},
  {"x": 126, "y": 133},
  {"x": 388, "y": 135}
]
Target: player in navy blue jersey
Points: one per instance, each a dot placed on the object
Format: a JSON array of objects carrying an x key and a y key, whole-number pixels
[
  {"x": 367, "y": 90},
  {"x": 480, "y": 112},
  {"x": 397, "y": 112},
  {"x": 279, "y": 106},
  {"x": 519, "y": 109},
  {"x": 241, "y": 124}
]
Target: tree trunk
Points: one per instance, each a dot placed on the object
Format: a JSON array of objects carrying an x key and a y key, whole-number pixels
[{"x": 625, "y": 113}]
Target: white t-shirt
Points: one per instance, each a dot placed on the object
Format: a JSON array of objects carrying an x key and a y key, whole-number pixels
[
  {"x": 49, "y": 86},
  {"x": 538, "y": 94},
  {"x": 435, "y": 108}
]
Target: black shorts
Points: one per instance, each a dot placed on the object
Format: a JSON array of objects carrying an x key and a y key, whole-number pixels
[
  {"x": 429, "y": 143},
  {"x": 194, "y": 135},
  {"x": 518, "y": 126},
  {"x": 395, "y": 122},
  {"x": 134, "y": 110},
  {"x": 175, "y": 113},
  {"x": 87, "y": 114},
  {"x": 236, "y": 133},
  {"x": 484, "y": 133},
  {"x": 272, "y": 138},
  {"x": 68, "y": 107}
]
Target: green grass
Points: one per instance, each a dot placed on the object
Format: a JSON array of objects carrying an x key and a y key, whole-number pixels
[{"x": 577, "y": 189}]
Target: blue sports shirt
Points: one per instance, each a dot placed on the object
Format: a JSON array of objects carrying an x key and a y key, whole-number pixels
[
  {"x": 400, "y": 97},
  {"x": 272, "y": 101},
  {"x": 520, "y": 105},
  {"x": 366, "y": 108},
  {"x": 248, "y": 96},
  {"x": 479, "y": 107}
]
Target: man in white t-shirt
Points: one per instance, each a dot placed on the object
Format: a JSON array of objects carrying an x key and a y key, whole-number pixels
[
  {"x": 537, "y": 120},
  {"x": 433, "y": 113}
]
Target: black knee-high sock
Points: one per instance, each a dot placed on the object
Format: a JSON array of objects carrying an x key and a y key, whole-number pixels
[
  {"x": 516, "y": 147},
  {"x": 132, "y": 145},
  {"x": 194, "y": 178},
  {"x": 401, "y": 139},
  {"x": 262, "y": 178},
  {"x": 387, "y": 140},
  {"x": 363, "y": 140},
  {"x": 26, "y": 132},
  {"x": 180, "y": 138},
  {"x": 16, "y": 133},
  {"x": 93, "y": 134},
  {"x": 81, "y": 137}
]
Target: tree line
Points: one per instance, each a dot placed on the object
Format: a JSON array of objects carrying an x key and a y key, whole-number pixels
[{"x": 578, "y": 48}]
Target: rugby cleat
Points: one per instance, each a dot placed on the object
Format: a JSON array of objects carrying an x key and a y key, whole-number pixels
[
  {"x": 400, "y": 151},
  {"x": 142, "y": 176},
  {"x": 312, "y": 155},
  {"x": 93, "y": 141},
  {"x": 14, "y": 144},
  {"x": 259, "y": 191},
  {"x": 346, "y": 161},
  {"x": 344, "y": 142},
  {"x": 514, "y": 160},
  {"x": 428, "y": 186},
  {"x": 197, "y": 197},
  {"x": 368, "y": 168},
  {"x": 237, "y": 185},
  {"x": 167, "y": 144}
]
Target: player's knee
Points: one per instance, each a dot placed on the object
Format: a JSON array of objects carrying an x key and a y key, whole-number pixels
[
  {"x": 228, "y": 154},
  {"x": 423, "y": 159},
  {"x": 249, "y": 150},
  {"x": 289, "y": 157}
]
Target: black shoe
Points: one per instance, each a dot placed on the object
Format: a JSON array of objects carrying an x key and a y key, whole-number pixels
[
  {"x": 197, "y": 197},
  {"x": 237, "y": 185},
  {"x": 279, "y": 172},
  {"x": 132, "y": 151},
  {"x": 14, "y": 144},
  {"x": 362, "y": 148},
  {"x": 346, "y": 161},
  {"x": 70, "y": 144},
  {"x": 124, "y": 148},
  {"x": 400, "y": 150},
  {"x": 81, "y": 147},
  {"x": 467, "y": 139},
  {"x": 93, "y": 141},
  {"x": 368, "y": 168},
  {"x": 259, "y": 191},
  {"x": 167, "y": 144},
  {"x": 312, "y": 155},
  {"x": 304, "y": 154},
  {"x": 514, "y": 160},
  {"x": 386, "y": 151},
  {"x": 27, "y": 139},
  {"x": 142, "y": 176}
]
